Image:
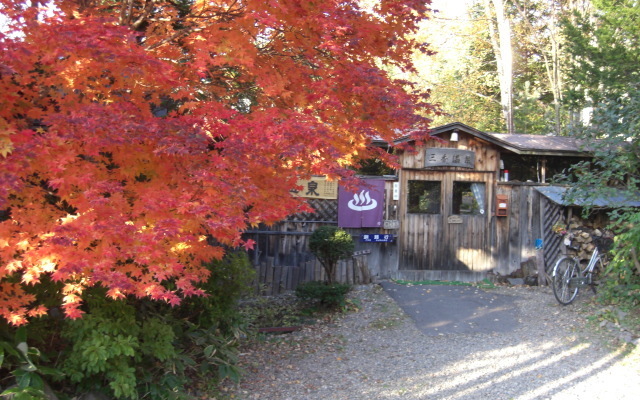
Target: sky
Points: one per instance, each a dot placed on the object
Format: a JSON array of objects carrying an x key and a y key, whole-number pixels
[{"x": 451, "y": 8}]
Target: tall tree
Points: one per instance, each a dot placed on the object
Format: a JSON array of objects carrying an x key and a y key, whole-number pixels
[
  {"x": 139, "y": 138},
  {"x": 464, "y": 75},
  {"x": 605, "y": 49},
  {"x": 539, "y": 52},
  {"x": 461, "y": 74},
  {"x": 499, "y": 24},
  {"x": 603, "y": 43}
]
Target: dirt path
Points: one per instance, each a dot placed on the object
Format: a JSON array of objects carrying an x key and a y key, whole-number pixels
[{"x": 378, "y": 353}]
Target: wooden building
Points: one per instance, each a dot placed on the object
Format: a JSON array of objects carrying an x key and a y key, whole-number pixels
[
  {"x": 469, "y": 204},
  {"x": 462, "y": 205}
]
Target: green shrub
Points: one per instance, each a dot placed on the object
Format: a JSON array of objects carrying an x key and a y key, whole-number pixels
[
  {"x": 329, "y": 295},
  {"x": 331, "y": 244},
  {"x": 140, "y": 348},
  {"x": 132, "y": 348},
  {"x": 109, "y": 344},
  {"x": 213, "y": 354},
  {"x": 622, "y": 278},
  {"x": 25, "y": 365},
  {"x": 230, "y": 279}
]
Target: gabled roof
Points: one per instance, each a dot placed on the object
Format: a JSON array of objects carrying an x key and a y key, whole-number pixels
[
  {"x": 518, "y": 143},
  {"x": 538, "y": 144}
]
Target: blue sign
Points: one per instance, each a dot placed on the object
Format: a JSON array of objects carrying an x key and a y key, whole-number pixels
[{"x": 376, "y": 238}]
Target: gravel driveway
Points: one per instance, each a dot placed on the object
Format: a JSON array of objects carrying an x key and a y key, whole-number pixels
[{"x": 378, "y": 353}]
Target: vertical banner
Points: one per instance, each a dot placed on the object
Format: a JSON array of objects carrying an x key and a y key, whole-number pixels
[{"x": 364, "y": 208}]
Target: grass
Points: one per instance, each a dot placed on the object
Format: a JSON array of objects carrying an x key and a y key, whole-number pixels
[{"x": 484, "y": 284}]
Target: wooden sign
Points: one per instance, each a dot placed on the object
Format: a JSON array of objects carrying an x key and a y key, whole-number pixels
[
  {"x": 454, "y": 219},
  {"x": 391, "y": 224},
  {"x": 444, "y": 157},
  {"x": 317, "y": 188}
]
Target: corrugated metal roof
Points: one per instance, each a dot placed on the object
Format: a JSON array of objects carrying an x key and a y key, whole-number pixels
[
  {"x": 540, "y": 142},
  {"x": 557, "y": 195}
]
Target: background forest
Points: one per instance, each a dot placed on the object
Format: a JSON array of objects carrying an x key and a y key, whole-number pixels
[
  {"x": 528, "y": 66},
  {"x": 565, "y": 68}
]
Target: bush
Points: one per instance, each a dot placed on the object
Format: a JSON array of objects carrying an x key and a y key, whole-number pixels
[
  {"x": 329, "y": 295},
  {"x": 110, "y": 347},
  {"x": 139, "y": 348},
  {"x": 25, "y": 365},
  {"x": 331, "y": 244},
  {"x": 134, "y": 348},
  {"x": 622, "y": 285},
  {"x": 230, "y": 279}
]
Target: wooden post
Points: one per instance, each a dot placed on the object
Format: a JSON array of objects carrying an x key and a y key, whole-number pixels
[
  {"x": 542, "y": 273},
  {"x": 543, "y": 278},
  {"x": 269, "y": 277}
]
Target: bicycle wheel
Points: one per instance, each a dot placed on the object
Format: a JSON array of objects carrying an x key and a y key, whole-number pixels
[{"x": 565, "y": 269}]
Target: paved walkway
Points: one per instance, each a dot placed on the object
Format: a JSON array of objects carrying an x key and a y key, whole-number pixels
[{"x": 443, "y": 309}]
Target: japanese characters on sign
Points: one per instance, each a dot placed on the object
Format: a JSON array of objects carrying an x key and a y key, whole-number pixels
[
  {"x": 376, "y": 238},
  {"x": 317, "y": 188},
  {"x": 444, "y": 157}
]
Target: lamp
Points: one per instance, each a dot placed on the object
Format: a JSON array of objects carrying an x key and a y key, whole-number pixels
[{"x": 454, "y": 136}]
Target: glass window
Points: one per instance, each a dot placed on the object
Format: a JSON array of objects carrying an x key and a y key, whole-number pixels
[
  {"x": 424, "y": 197},
  {"x": 468, "y": 198}
]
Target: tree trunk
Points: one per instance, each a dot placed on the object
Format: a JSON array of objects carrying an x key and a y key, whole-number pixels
[{"x": 500, "y": 33}]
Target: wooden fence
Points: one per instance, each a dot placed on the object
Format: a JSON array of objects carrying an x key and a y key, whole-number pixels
[
  {"x": 282, "y": 258},
  {"x": 274, "y": 279},
  {"x": 531, "y": 217}
]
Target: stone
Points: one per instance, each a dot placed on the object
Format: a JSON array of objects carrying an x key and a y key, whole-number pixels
[
  {"x": 92, "y": 396},
  {"x": 528, "y": 267},
  {"x": 516, "y": 281}
]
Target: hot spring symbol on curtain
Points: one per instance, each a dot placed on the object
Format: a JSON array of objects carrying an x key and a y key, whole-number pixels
[
  {"x": 362, "y": 202},
  {"x": 364, "y": 208}
]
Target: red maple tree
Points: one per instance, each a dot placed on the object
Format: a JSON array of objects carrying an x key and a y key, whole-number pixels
[{"x": 139, "y": 138}]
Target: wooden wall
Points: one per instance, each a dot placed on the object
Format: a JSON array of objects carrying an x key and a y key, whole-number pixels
[
  {"x": 274, "y": 279},
  {"x": 426, "y": 246},
  {"x": 531, "y": 217},
  {"x": 432, "y": 242},
  {"x": 487, "y": 155},
  {"x": 283, "y": 260}
]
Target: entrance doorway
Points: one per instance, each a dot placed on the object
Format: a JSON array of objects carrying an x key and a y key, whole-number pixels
[{"x": 445, "y": 220}]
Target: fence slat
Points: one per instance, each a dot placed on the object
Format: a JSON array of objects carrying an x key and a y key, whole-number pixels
[{"x": 275, "y": 279}]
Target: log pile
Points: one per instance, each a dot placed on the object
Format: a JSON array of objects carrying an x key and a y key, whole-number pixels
[{"x": 585, "y": 238}]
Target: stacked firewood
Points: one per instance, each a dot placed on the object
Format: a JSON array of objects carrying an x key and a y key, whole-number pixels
[{"x": 584, "y": 239}]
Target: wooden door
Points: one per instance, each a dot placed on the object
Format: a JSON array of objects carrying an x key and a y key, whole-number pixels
[{"x": 455, "y": 235}]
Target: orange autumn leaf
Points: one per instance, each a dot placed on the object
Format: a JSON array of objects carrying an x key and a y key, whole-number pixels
[{"x": 136, "y": 143}]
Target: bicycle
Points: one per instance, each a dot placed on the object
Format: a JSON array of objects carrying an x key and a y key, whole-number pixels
[{"x": 568, "y": 277}]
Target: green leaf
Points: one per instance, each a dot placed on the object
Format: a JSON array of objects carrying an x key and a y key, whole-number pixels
[
  {"x": 209, "y": 351},
  {"x": 50, "y": 371},
  {"x": 21, "y": 335},
  {"x": 24, "y": 348}
]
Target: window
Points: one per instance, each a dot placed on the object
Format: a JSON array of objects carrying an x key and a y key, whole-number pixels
[
  {"x": 424, "y": 197},
  {"x": 468, "y": 198}
]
